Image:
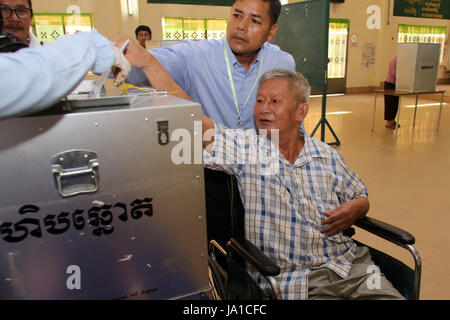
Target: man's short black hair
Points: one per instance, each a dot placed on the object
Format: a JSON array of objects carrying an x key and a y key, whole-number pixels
[
  {"x": 274, "y": 9},
  {"x": 143, "y": 28}
]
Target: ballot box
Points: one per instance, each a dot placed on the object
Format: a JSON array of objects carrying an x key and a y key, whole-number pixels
[
  {"x": 103, "y": 203},
  {"x": 417, "y": 66}
]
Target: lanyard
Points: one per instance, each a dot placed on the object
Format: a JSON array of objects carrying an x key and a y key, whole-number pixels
[{"x": 233, "y": 89}]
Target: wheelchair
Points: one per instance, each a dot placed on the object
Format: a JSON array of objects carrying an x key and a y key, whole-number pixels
[{"x": 229, "y": 251}]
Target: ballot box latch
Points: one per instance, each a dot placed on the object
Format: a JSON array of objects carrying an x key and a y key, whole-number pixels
[{"x": 75, "y": 172}]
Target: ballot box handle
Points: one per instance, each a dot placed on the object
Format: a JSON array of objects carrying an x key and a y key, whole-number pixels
[{"x": 76, "y": 172}]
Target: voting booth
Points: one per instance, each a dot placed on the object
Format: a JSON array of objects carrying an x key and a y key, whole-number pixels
[
  {"x": 96, "y": 204},
  {"x": 417, "y": 66}
]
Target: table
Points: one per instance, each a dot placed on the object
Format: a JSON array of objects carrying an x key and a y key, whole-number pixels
[{"x": 400, "y": 94}]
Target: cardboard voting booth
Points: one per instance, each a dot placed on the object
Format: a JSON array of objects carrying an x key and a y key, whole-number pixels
[{"x": 417, "y": 66}]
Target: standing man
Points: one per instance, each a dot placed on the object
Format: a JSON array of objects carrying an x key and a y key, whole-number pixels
[
  {"x": 17, "y": 17},
  {"x": 222, "y": 75},
  {"x": 143, "y": 34}
]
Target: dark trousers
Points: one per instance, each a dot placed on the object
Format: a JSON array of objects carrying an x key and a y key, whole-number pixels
[{"x": 390, "y": 103}]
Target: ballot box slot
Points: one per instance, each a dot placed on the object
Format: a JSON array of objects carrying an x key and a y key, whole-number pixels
[{"x": 76, "y": 172}]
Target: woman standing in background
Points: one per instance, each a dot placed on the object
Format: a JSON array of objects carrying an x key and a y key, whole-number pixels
[{"x": 390, "y": 102}]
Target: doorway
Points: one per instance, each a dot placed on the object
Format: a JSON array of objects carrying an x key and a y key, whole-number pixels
[{"x": 337, "y": 54}]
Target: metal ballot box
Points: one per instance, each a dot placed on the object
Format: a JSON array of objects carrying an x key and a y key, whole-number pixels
[{"x": 93, "y": 204}]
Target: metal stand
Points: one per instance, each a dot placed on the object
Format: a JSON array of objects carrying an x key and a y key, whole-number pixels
[{"x": 323, "y": 122}]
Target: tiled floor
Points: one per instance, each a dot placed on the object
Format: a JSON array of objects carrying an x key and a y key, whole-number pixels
[{"x": 408, "y": 177}]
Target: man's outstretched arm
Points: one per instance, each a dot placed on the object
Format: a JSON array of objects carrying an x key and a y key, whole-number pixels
[{"x": 154, "y": 71}]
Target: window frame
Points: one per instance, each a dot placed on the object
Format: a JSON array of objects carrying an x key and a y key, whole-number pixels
[
  {"x": 333, "y": 75},
  {"x": 62, "y": 17},
  {"x": 183, "y": 33}
]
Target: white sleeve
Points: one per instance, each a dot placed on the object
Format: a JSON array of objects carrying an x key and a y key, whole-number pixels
[{"x": 32, "y": 79}]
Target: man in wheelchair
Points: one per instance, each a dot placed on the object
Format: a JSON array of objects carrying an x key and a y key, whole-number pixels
[{"x": 299, "y": 196}]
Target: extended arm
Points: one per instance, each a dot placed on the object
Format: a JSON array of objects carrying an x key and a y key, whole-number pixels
[
  {"x": 154, "y": 71},
  {"x": 33, "y": 79},
  {"x": 156, "y": 74}
]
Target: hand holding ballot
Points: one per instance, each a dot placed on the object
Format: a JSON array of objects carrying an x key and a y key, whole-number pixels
[
  {"x": 121, "y": 67},
  {"x": 143, "y": 59},
  {"x": 134, "y": 53}
]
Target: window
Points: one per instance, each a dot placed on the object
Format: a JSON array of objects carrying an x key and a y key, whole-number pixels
[
  {"x": 193, "y": 28},
  {"x": 337, "y": 48},
  {"x": 422, "y": 34},
  {"x": 216, "y": 28},
  {"x": 49, "y": 26}
]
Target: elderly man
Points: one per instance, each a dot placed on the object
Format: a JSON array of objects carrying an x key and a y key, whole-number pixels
[
  {"x": 222, "y": 74},
  {"x": 298, "y": 195},
  {"x": 17, "y": 18}
]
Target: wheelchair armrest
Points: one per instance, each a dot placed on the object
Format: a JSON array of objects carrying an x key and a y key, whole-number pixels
[
  {"x": 386, "y": 231},
  {"x": 250, "y": 253}
]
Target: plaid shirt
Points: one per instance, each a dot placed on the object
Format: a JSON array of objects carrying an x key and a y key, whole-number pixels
[{"x": 284, "y": 203}]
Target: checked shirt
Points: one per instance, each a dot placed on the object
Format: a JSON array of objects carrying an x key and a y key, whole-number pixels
[{"x": 284, "y": 203}]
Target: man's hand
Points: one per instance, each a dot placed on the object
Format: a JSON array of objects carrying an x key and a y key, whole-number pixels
[
  {"x": 344, "y": 216},
  {"x": 154, "y": 71},
  {"x": 121, "y": 67},
  {"x": 135, "y": 53},
  {"x": 208, "y": 130}
]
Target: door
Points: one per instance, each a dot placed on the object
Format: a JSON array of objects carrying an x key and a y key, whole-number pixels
[{"x": 337, "y": 53}]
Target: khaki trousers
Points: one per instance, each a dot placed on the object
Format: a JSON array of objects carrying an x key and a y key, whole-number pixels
[{"x": 325, "y": 284}]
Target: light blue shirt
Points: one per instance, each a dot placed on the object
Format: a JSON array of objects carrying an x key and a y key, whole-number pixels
[
  {"x": 32, "y": 79},
  {"x": 199, "y": 68}
]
